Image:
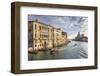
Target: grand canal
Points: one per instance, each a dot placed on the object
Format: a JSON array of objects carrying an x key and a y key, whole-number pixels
[{"x": 73, "y": 50}]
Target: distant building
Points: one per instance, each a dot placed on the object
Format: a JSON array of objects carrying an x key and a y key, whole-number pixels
[
  {"x": 42, "y": 36},
  {"x": 78, "y": 36},
  {"x": 81, "y": 37}
]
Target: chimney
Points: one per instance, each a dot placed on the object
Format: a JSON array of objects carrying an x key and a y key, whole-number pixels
[{"x": 37, "y": 20}]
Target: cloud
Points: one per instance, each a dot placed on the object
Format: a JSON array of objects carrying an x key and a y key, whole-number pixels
[{"x": 70, "y": 24}]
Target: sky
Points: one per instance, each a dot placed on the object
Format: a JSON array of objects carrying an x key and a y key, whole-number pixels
[{"x": 70, "y": 24}]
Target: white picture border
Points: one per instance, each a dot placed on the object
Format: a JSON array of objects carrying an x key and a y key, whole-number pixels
[{"x": 25, "y": 64}]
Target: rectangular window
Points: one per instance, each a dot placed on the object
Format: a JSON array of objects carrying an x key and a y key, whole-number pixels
[
  {"x": 35, "y": 26},
  {"x": 35, "y": 35},
  {"x": 35, "y": 41},
  {"x": 40, "y": 27}
]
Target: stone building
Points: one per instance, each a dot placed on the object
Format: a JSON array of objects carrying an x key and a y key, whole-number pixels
[
  {"x": 43, "y": 36},
  {"x": 81, "y": 37}
]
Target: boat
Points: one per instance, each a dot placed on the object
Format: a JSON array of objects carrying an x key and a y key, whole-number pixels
[
  {"x": 75, "y": 44},
  {"x": 53, "y": 51}
]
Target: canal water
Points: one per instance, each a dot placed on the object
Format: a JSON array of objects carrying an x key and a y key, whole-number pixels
[{"x": 73, "y": 50}]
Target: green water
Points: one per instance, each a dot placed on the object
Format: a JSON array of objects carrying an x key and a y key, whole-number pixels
[{"x": 69, "y": 51}]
